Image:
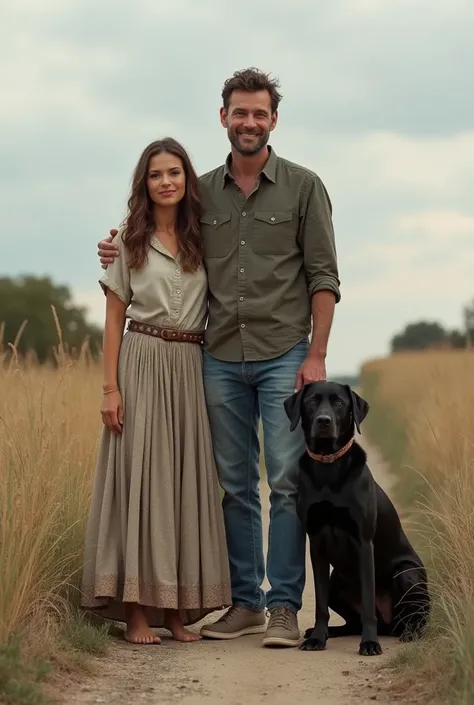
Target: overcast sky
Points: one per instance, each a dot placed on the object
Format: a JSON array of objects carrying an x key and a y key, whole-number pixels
[{"x": 378, "y": 100}]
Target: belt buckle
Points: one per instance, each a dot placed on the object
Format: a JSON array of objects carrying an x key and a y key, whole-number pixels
[{"x": 165, "y": 334}]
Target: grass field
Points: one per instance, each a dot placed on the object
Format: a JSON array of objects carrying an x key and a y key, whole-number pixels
[
  {"x": 422, "y": 418},
  {"x": 49, "y": 426}
]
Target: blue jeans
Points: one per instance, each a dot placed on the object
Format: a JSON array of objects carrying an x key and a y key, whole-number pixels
[{"x": 237, "y": 394}]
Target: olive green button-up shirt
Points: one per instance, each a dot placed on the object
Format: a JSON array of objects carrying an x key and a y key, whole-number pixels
[{"x": 265, "y": 255}]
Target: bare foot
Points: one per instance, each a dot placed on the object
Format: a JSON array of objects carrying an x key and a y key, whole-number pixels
[
  {"x": 175, "y": 625},
  {"x": 138, "y": 631}
]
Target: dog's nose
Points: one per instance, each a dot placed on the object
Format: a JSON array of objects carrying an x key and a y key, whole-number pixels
[{"x": 323, "y": 421}]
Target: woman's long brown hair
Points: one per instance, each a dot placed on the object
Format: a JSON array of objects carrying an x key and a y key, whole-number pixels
[{"x": 139, "y": 224}]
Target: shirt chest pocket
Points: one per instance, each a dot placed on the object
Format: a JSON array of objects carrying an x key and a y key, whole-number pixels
[
  {"x": 217, "y": 234},
  {"x": 274, "y": 232}
]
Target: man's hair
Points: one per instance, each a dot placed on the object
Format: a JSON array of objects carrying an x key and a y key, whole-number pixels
[{"x": 252, "y": 80}]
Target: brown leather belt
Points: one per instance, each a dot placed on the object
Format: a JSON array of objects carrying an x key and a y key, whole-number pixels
[{"x": 171, "y": 334}]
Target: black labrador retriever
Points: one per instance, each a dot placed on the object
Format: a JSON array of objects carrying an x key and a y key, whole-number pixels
[{"x": 378, "y": 584}]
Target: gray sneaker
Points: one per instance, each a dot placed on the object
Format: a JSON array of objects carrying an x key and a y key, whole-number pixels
[
  {"x": 282, "y": 629},
  {"x": 237, "y": 621}
]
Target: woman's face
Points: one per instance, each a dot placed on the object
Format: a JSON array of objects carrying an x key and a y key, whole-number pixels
[{"x": 166, "y": 180}]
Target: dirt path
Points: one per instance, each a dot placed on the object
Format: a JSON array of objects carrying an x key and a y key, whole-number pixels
[{"x": 240, "y": 672}]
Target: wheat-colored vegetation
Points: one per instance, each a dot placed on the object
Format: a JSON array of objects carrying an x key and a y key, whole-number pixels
[
  {"x": 422, "y": 417},
  {"x": 49, "y": 428}
]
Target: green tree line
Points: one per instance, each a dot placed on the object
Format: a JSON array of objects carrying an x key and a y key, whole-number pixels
[
  {"x": 421, "y": 335},
  {"x": 35, "y": 307}
]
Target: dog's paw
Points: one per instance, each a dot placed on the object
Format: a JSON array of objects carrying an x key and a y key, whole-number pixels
[
  {"x": 370, "y": 648},
  {"x": 313, "y": 643},
  {"x": 308, "y": 632}
]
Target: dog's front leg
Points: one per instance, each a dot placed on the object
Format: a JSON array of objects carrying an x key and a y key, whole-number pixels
[
  {"x": 369, "y": 644},
  {"x": 317, "y": 638}
]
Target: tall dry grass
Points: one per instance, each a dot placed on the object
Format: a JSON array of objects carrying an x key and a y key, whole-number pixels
[
  {"x": 49, "y": 429},
  {"x": 423, "y": 417}
]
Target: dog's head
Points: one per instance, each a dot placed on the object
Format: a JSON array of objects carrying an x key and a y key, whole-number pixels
[{"x": 328, "y": 412}]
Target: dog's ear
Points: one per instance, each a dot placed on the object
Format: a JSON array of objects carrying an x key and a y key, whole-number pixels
[
  {"x": 293, "y": 408},
  {"x": 360, "y": 407}
]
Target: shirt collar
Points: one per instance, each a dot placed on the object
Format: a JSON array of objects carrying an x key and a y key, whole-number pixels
[
  {"x": 156, "y": 244},
  {"x": 269, "y": 169}
]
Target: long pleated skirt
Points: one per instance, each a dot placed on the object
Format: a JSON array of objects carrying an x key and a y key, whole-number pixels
[{"x": 155, "y": 532}]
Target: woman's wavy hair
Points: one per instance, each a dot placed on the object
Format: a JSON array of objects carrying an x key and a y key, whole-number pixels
[{"x": 139, "y": 225}]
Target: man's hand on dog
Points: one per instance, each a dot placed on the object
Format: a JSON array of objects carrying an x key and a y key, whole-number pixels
[{"x": 313, "y": 369}]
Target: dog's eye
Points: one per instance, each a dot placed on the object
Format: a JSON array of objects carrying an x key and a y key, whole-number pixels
[
  {"x": 312, "y": 401},
  {"x": 338, "y": 402}
]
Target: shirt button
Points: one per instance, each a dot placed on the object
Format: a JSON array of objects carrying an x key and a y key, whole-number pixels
[
  {"x": 178, "y": 291},
  {"x": 244, "y": 213},
  {"x": 214, "y": 222},
  {"x": 242, "y": 242},
  {"x": 242, "y": 270},
  {"x": 177, "y": 271},
  {"x": 241, "y": 298},
  {"x": 272, "y": 218},
  {"x": 242, "y": 325}
]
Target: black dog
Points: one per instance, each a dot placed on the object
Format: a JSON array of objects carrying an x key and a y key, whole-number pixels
[{"x": 379, "y": 583}]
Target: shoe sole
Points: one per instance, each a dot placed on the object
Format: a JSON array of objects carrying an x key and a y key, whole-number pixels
[
  {"x": 209, "y": 634},
  {"x": 281, "y": 642}
]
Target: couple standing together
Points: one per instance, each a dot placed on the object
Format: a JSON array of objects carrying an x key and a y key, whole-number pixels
[{"x": 249, "y": 249}]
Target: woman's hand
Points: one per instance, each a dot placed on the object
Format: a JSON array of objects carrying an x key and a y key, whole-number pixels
[{"x": 112, "y": 412}]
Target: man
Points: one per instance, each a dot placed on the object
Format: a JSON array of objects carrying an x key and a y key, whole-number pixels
[{"x": 271, "y": 261}]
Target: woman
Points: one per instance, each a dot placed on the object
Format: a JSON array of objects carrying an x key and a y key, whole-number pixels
[{"x": 155, "y": 547}]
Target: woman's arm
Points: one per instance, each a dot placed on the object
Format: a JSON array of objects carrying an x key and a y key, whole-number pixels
[
  {"x": 112, "y": 407},
  {"x": 113, "y": 333}
]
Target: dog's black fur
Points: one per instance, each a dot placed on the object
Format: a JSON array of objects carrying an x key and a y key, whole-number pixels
[{"x": 379, "y": 583}]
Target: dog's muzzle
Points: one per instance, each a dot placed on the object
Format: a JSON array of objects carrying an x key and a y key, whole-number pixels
[{"x": 323, "y": 427}]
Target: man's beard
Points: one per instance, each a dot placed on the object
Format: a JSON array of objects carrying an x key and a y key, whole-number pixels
[{"x": 248, "y": 151}]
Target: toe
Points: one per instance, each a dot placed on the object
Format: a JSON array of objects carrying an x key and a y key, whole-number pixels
[{"x": 189, "y": 636}]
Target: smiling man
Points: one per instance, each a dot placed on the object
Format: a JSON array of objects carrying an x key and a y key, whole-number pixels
[{"x": 272, "y": 270}]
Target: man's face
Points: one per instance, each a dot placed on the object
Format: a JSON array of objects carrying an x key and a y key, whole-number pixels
[{"x": 249, "y": 121}]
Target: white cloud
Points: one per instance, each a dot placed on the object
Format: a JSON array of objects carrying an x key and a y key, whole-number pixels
[
  {"x": 437, "y": 165},
  {"x": 427, "y": 255},
  {"x": 440, "y": 225},
  {"x": 419, "y": 291}
]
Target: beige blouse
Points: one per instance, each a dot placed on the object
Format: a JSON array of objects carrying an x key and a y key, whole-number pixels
[{"x": 160, "y": 292}]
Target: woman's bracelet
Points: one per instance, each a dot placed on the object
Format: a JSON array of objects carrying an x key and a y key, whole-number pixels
[{"x": 109, "y": 391}]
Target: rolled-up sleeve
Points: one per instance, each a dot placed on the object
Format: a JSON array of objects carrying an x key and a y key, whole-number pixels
[
  {"x": 317, "y": 239},
  {"x": 117, "y": 275}
]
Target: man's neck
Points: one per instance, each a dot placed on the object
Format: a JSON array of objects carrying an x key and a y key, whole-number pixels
[{"x": 248, "y": 166}]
